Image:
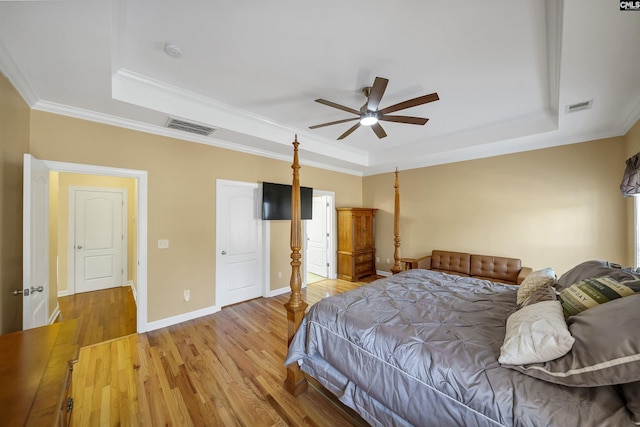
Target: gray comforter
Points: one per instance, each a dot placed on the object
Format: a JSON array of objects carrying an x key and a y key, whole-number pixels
[{"x": 421, "y": 348}]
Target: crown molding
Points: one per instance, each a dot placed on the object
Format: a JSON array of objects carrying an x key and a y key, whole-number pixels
[
  {"x": 137, "y": 89},
  {"x": 12, "y": 72},
  {"x": 78, "y": 113}
]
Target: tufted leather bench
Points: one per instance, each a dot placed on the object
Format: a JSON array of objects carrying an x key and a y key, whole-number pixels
[{"x": 496, "y": 269}]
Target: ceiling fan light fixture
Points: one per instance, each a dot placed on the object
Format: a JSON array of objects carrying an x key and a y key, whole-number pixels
[{"x": 368, "y": 119}]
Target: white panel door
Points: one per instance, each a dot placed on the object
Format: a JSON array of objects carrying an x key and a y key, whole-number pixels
[
  {"x": 35, "y": 229},
  {"x": 317, "y": 238},
  {"x": 238, "y": 243},
  {"x": 99, "y": 239}
]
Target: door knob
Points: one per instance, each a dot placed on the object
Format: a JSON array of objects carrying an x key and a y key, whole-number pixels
[
  {"x": 79, "y": 246},
  {"x": 38, "y": 289},
  {"x": 17, "y": 292},
  {"x": 224, "y": 252}
]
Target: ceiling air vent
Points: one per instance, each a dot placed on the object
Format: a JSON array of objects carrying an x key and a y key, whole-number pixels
[
  {"x": 183, "y": 125},
  {"x": 579, "y": 106}
]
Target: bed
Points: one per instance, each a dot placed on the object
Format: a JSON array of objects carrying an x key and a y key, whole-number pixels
[{"x": 428, "y": 348}]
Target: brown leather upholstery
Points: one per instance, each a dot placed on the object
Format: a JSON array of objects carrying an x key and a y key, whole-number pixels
[
  {"x": 496, "y": 269},
  {"x": 451, "y": 262}
]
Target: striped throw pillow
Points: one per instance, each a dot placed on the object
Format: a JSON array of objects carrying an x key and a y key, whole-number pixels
[{"x": 590, "y": 293}]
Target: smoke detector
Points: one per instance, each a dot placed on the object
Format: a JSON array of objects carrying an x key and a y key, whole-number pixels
[{"x": 172, "y": 49}]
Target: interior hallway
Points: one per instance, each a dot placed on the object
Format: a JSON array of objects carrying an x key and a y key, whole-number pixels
[{"x": 102, "y": 315}]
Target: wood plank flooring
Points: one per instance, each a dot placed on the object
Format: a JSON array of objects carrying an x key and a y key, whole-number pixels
[
  {"x": 102, "y": 315},
  {"x": 222, "y": 369}
]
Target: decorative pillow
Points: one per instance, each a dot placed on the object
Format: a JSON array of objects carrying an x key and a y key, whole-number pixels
[
  {"x": 606, "y": 349},
  {"x": 594, "y": 268},
  {"x": 633, "y": 284},
  {"x": 631, "y": 393},
  {"x": 534, "y": 281},
  {"x": 591, "y": 292},
  {"x": 535, "y": 333},
  {"x": 544, "y": 294}
]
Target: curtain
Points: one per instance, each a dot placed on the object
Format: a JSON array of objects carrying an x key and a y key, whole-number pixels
[{"x": 631, "y": 180}]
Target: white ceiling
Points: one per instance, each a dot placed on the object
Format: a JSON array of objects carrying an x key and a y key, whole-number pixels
[{"x": 505, "y": 71}]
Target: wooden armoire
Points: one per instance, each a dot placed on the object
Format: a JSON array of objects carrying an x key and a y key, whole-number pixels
[{"x": 356, "y": 243}]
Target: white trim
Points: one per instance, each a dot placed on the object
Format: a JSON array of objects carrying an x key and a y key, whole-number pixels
[
  {"x": 332, "y": 222},
  {"x": 64, "y": 293},
  {"x": 71, "y": 216},
  {"x": 276, "y": 292},
  {"x": 133, "y": 290},
  {"x": 142, "y": 178},
  {"x": 55, "y": 314},
  {"x": 174, "y": 320},
  {"x": 383, "y": 273}
]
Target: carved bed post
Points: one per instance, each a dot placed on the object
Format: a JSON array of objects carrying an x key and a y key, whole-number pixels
[
  {"x": 396, "y": 229},
  {"x": 296, "y": 382}
]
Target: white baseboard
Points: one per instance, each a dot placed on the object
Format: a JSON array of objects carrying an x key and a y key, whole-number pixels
[
  {"x": 64, "y": 293},
  {"x": 277, "y": 292},
  {"x": 55, "y": 314},
  {"x": 134, "y": 291},
  {"x": 383, "y": 273},
  {"x": 174, "y": 320}
]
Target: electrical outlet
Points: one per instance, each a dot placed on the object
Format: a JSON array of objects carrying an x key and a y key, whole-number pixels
[
  {"x": 163, "y": 244},
  {"x": 388, "y": 261},
  {"x": 187, "y": 295},
  {"x": 279, "y": 274},
  {"x": 377, "y": 259}
]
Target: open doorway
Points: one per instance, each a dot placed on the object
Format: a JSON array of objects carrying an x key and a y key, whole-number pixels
[
  {"x": 320, "y": 242},
  {"x": 139, "y": 230}
]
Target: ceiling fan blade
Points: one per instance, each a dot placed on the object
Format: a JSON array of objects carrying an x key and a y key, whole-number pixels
[
  {"x": 378, "y": 130},
  {"x": 334, "y": 123},
  {"x": 410, "y": 103},
  {"x": 338, "y": 106},
  {"x": 375, "y": 95},
  {"x": 349, "y": 131},
  {"x": 404, "y": 119}
]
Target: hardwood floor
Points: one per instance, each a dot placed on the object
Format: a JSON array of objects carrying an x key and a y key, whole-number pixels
[
  {"x": 102, "y": 315},
  {"x": 222, "y": 369}
]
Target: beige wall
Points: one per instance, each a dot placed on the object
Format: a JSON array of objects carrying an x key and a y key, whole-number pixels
[
  {"x": 552, "y": 207},
  {"x": 561, "y": 204},
  {"x": 181, "y": 199},
  {"x": 59, "y": 254},
  {"x": 14, "y": 142}
]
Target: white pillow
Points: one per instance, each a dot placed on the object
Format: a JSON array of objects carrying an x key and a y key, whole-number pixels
[
  {"x": 534, "y": 281},
  {"x": 536, "y": 333}
]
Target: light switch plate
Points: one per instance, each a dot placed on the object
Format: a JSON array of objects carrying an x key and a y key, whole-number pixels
[{"x": 163, "y": 244}]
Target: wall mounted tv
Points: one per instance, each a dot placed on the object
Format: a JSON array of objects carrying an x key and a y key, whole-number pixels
[{"x": 276, "y": 201}]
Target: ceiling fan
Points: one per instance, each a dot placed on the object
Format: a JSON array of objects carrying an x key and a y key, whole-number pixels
[{"x": 369, "y": 115}]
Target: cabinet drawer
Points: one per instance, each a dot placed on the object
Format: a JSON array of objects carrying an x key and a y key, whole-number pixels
[
  {"x": 364, "y": 257},
  {"x": 359, "y": 268}
]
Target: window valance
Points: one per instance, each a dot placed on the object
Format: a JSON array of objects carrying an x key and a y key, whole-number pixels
[{"x": 630, "y": 185}]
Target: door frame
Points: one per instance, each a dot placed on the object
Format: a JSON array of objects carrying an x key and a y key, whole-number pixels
[
  {"x": 332, "y": 242},
  {"x": 141, "y": 228},
  {"x": 71, "y": 256},
  {"x": 263, "y": 238}
]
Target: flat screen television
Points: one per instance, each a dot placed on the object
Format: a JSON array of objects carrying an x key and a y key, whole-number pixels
[{"x": 276, "y": 201}]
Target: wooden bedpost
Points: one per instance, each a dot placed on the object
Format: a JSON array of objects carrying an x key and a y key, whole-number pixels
[
  {"x": 296, "y": 382},
  {"x": 397, "y": 268}
]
